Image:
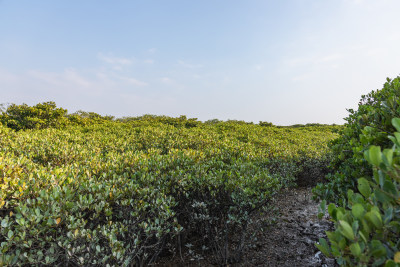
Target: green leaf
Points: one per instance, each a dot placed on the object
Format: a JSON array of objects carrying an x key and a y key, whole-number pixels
[
  {"x": 366, "y": 227},
  {"x": 390, "y": 263},
  {"x": 346, "y": 230},
  {"x": 397, "y": 135},
  {"x": 381, "y": 178},
  {"x": 374, "y": 218},
  {"x": 389, "y": 187},
  {"x": 387, "y": 217},
  {"x": 342, "y": 244},
  {"x": 323, "y": 247},
  {"x": 322, "y": 209},
  {"x": 4, "y": 223},
  {"x": 381, "y": 197},
  {"x": 357, "y": 210},
  {"x": 355, "y": 225},
  {"x": 377, "y": 249},
  {"x": 332, "y": 210},
  {"x": 355, "y": 249},
  {"x": 394, "y": 140},
  {"x": 10, "y": 234},
  {"x": 362, "y": 235},
  {"x": 396, "y": 123},
  {"x": 374, "y": 154},
  {"x": 363, "y": 187},
  {"x": 350, "y": 193},
  {"x": 388, "y": 156}
]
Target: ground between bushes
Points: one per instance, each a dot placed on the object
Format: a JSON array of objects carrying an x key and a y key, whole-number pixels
[{"x": 284, "y": 236}]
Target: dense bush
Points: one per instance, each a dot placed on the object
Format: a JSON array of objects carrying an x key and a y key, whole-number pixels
[
  {"x": 369, "y": 125},
  {"x": 367, "y": 232},
  {"x": 265, "y": 124},
  {"x": 121, "y": 193},
  {"x": 46, "y": 115},
  {"x": 181, "y": 121},
  {"x": 42, "y": 115}
]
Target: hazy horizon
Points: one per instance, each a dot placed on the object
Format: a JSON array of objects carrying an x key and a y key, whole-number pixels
[{"x": 287, "y": 62}]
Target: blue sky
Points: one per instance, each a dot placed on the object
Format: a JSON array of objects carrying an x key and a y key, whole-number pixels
[{"x": 287, "y": 62}]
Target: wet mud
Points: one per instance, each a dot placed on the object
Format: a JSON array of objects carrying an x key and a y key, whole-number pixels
[
  {"x": 290, "y": 241},
  {"x": 282, "y": 237}
]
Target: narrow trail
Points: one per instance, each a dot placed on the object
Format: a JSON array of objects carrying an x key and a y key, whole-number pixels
[{"x": 289, "y": 241}]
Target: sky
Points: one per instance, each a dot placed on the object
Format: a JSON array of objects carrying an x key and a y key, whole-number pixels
[{"x": 285, "y": 62}]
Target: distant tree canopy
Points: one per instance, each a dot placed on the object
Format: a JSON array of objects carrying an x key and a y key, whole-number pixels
[
  {"x": 266, "y": 124},
  {"x": 42, "y": 115},
  {"x": 45, "y": 115},
  {"x": 92, "y": 115},
  {"x": 181, "y": 121}
]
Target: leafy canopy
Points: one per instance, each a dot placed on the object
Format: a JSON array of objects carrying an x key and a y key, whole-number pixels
[{"x": 369, "y": 125}]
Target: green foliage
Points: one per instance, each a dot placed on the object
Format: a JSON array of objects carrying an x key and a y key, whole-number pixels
[
  {"x": 212, "y": 121},
  {"x": 42, "y": 115},
  {"x": 92, "y": 116},
  {"x": 367, "y": 233},
  {"x": 121, "y": 193},
  {"x": 46, "y": 115},
  {"x": 265, "y": 124},
  {"x": 84, "y": 118},
  {"x": 181, "y": 121},
  {"x": 367, "y": 126}
]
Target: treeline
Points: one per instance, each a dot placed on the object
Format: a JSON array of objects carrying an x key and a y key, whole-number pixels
[{"x": 48, "y": 115}]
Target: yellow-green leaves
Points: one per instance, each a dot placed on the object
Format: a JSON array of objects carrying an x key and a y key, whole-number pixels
[
  {"x": 93, "y": 189},
  {"x": 346, "y": 229},
  {"x": 375, "y": 218},
  {"x": 387, "y": 156},
  {"x": 358, "y": 210},
  {"x": 397, "y": 257},
  {"x": 396, "y": 123},
  {"x": 355, "y": 249},
  {"x": 374, "y": 155}
]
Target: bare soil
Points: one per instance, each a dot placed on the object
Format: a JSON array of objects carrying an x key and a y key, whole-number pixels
[
  {"x": 290, "y": 242},
  {"x": 287, "y": 240}
]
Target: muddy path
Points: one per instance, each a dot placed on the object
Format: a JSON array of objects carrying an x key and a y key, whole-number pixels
[
  {"x": 287, "y": 240},
  {"x": 290, "y": 241}
]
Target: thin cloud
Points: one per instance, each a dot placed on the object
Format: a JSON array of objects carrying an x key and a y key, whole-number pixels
[
  {"x": 115, "y": 60},
  {"x": 167, "y": 80},
  {"x": 68, "y": 76},
  {"x": 74, "y": 77},
  {"x": 188, "y": 65},
  {"x": 132, "y": 81}
]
